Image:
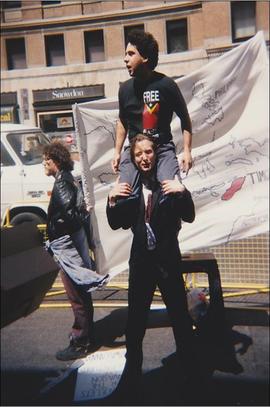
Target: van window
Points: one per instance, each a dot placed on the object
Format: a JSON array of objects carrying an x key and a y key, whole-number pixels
[
  {"x": 28, "y": 146},
  {"x": 6, "y": 159}
]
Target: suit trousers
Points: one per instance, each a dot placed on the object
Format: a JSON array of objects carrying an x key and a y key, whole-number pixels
[{"x": 143, "y": 280}]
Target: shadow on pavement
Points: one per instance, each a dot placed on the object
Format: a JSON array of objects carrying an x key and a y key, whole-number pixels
[
  {"x": 22, "y": 387},
  {"x": 159, "y": 386},
  {"x": 163, "y": 387}
]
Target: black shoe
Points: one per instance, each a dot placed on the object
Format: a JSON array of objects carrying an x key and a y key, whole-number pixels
[
  {"x": 128, "y": 390},
  {"x": 75, "y": 351}
]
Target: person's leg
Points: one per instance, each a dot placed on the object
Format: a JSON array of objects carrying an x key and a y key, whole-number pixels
[
  {"x": 167, "y": 163},
  {"x": 191, "y": 362},
  {"x": 130, "y": 174},
  {"x": 83, "y": 310},
  {"x": 140, "y": 294},
  {"x": 82, "y": 332},
  {"x": 174, "y": 296}
]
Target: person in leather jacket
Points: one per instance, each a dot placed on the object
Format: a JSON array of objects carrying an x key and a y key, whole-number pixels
[
  {"x": 62, "y": 216},
  {"x": 67, "y": 242}
]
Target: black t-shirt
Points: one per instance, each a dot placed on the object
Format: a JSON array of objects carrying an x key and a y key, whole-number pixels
[{"x": 148, "y": 107}]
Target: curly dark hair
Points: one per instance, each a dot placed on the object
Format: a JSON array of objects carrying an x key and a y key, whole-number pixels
[
  {"x": 59, "y": 153},
  {"x": 146, "y": 44},
  {"x": 140, "y": 137}
]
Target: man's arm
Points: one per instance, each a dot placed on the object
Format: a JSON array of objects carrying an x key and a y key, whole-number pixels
[
  {"x": 121, "y": 134},
  {"x": 119, "y": 190},
  {"x": 180, "y": 108},
  {"x": 121, "y": 213},
  {"x": 186, "y": 158},
  {"x": 184, "y": 202}
]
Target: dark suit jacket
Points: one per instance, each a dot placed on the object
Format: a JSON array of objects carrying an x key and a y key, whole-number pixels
[{"x": 165, "y": 221}]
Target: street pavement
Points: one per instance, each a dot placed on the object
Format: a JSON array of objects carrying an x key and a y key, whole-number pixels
[{"x": 31, "y": 375}]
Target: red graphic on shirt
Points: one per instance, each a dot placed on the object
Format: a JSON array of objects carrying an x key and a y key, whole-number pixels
[
  {"x": 150, "y": 116},
  {"x": 235, "y": 186}
]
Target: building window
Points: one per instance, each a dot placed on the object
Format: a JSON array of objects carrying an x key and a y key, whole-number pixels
[
  {"x": 94, "y": 46},
  {"x": 53, "y": 123},
  {"x": 10, "y": 4},
  {"x": 129, "y": 28},
  {"x": 243, "y": 18},
  {"x": 176, "y": 35},
  {"x": 28, "y": 146},
  {"x": 6, "y": 160},
  {"x": 59, "y": 126},
  {"x": 16, "y": 57},
  {"x": 50, "y": 2},
  {"x": 55, "y": 50}
]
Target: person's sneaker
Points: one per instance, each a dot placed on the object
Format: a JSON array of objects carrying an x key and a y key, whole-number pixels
[{"x": 74, "y": 351}]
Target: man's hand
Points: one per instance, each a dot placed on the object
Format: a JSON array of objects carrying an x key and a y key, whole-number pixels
[
  {"x": 186, "y": 161},
  {"x": 172, "y": 186},
  {"x": 115, "y": 162},
  {"x": 119, "y": 190}
]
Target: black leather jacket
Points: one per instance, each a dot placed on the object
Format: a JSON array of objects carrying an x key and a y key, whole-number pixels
[{"x": 63, "y": 217}]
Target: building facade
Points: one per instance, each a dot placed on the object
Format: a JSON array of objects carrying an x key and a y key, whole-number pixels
[{"x": 55, "y": 53}]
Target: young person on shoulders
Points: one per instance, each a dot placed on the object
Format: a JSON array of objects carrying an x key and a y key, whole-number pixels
[{"x": 147, "y": 102}]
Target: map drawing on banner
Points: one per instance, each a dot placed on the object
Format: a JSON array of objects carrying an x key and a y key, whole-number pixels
[{"x": 228, "y": 103}]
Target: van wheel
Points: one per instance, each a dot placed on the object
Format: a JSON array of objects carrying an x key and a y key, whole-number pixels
[{"x": 26, "y": 217}]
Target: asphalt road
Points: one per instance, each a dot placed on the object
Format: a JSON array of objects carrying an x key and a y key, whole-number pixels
[{"x": 31, "y": 375}]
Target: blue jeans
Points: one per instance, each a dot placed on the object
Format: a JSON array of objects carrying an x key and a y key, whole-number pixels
[
  {"x": 80, "y": 242},
  {"x": 72, "y": 255}
]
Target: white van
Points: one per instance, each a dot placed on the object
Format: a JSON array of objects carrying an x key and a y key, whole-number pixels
[{"x": 25, "y": 189}]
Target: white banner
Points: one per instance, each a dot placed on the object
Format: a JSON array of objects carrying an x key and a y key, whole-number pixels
[{"x": 228, "y": 103}]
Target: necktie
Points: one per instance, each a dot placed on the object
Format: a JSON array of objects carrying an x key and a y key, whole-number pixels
[
  {"x": 148, "y": 207},
  {"x": 151, "y": 240}
]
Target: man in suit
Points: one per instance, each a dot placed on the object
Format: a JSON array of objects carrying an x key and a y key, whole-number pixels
[{"x": 155, "y": 258}]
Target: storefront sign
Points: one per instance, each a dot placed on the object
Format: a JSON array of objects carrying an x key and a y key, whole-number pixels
[
  {"x": 67, "y": 94},
  {"x": 8, "y": 114},
  {"x": 8, "y": 107},
  {"x": 6, "y": 117},
  {"x": 74, "y": 93}
]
